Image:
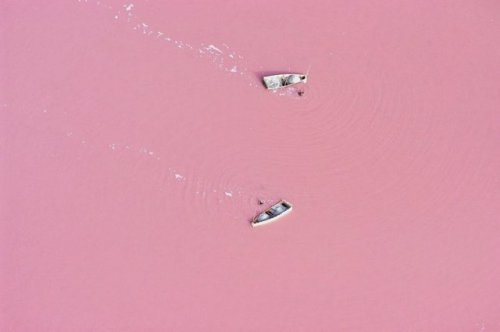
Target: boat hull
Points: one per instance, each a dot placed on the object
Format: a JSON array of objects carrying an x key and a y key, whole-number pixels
[
  {"x": 283, "y": 80},
  {"x": 274, "y": 213}
]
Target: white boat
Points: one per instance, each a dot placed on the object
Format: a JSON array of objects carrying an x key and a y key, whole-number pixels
[
  {"x": 282, "y": 80},
  {"x": 275, "y": 212}
]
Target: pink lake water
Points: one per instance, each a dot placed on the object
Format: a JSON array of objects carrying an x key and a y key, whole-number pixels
[{"x": 137, "y": 138}]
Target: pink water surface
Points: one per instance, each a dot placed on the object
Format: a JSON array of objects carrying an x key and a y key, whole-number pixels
[{"x": 136, "y": 140}]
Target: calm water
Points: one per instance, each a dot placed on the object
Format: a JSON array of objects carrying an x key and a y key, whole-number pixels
[{"x": 137, "y": 140}]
